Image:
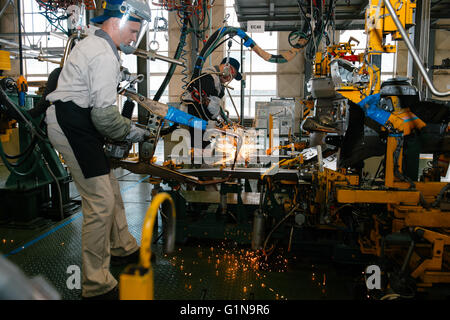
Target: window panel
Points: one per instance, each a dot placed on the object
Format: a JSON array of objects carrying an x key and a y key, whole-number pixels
[
  {"x": 28, "y": 22},
  {"x": 260, "y": 75},
  {"x": 157, "y": 69},
  {"x": 229, "y": 3},
  {"x": 236, "y": 54},
  {"x": 232, "y": 20},
  {"x": 237, "y": 101},
  {"x": 37, "y": 42},
  {"x": 387, "y": 63},
  {"x": 51, "y": 67},
  {"x": 229, "y": 106},
  {"x": 164, "y": 98},
  {"x": 29, "y": 6},
  {"x": 358, "y": 35},
  {"x": 53, "y": 41},
  {"x": 154, "y": 84},
  {"x": 29, "y": 40},
  {"x": 129, "y": 61},
  {"x": 258, "y": 64},
  {"x": 40, "y": 24},
  {"x": 158, "y": 66},
  {"x": 263, "y": 85},
  {"x": 266, "y": 40},
  {"x": 35, "y": 67}
]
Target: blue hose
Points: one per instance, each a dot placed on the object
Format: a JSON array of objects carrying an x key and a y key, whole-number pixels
[{"x": 178, "y": 116}]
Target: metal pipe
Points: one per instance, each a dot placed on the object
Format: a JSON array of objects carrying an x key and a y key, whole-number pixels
[
  {"x": 19, "y": 17},
  {"x": 152, "y": 55},
  {"x": 413, "y": 51},
  {"x": 424, "y": 38},
  {"x": 35, "y": 34},
  {"x": 13, "y": 44}
]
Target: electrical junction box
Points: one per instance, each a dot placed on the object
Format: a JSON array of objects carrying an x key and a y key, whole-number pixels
[{"x": 286, "y": 115}]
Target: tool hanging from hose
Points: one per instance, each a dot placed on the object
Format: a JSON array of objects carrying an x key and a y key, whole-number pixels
[
  {"x": 170, "y": 113},
  {"x": 215, "y": 38}
]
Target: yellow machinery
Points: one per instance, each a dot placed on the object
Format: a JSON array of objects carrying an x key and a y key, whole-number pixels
[
  {"x": 412, "y": 227},
  {"x": 136, "y": 282},
  {"x": 398, "y": 220},
  {"x": 5, "y": 62}
]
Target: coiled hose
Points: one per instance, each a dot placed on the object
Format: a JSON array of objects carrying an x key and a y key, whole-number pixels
[
  {"x": 215, "y": 38},
  {"x": 178, "y": 52}
]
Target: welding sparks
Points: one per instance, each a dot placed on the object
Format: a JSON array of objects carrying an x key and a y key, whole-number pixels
[
  {"x": 232, "y": 265},
  {"x": 225, "y": 147}
]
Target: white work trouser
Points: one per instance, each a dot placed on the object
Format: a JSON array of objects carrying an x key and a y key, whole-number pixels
[{"x": 104, "y": 229}]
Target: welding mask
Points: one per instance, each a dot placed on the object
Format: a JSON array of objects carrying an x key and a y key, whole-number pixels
[{"x": 127, "y": 10}]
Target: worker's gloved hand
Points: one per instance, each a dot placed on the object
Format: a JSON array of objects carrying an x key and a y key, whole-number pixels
[
  {"x": 214, "y": 107},
  {"x": 125, "y": 74},
  {"x": 137, "y": 134}
]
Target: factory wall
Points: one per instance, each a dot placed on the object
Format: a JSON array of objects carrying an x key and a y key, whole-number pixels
[
  {"x": 8, "y": 24},
  {"x": 441, "y": 78},
  {"x": 290, "y": 75}
]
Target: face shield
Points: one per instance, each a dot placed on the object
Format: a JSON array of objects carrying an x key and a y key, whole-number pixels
[{"x": 137, "y": 11}]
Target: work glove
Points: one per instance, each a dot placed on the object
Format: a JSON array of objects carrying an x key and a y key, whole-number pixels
[
  {"x": 214, "y": 107},
  {"x": 125, "y": 74},
  {"x": 137, "y": 134}
]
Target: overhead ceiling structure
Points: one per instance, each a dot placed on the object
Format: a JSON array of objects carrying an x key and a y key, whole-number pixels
[{"x": 285, "y": 15}]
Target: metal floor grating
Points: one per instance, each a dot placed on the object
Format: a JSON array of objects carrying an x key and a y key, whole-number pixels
[{"x": 207, "y": 270}]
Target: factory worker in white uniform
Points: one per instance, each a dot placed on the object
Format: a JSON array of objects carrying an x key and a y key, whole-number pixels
[{"x": 82, "y": 115}]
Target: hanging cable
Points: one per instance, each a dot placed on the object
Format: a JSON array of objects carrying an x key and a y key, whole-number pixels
[
  {"x": 178, "y": 52},
  {"x": 58, "y": 187},
  {"x": 278, "y": 225}
]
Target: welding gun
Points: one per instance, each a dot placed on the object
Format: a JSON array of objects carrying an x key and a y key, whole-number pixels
[{"x": 175, "y": 115}]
